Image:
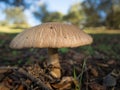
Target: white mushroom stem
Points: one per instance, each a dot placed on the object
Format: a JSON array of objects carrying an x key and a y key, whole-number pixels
[{"x": 54, "y": 61}]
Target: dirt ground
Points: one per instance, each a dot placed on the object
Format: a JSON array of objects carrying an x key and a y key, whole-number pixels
[{"x": 93, "y": 67}]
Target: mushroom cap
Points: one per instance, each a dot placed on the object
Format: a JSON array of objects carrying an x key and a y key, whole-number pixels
[{"x": 51, "y": 35}]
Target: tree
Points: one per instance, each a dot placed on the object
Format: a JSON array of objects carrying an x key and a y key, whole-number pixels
[
  {"x": 75, "y": 14},
  {"x": 91, "y": 11},
  {"x": 45, "y": 16},
  {"x": 15, "y": 15},
  {"x": 52, "y": 16},
  {"x": 19, "y": 3},
  {"x": 112, "y": 20},
  {"x": 111, "y": 9}
]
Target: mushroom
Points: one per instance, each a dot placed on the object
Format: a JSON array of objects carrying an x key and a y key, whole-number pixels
[{"x": 52, "y": 35}]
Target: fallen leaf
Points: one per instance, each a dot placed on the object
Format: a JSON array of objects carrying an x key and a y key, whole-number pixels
[
  {"x": 3, "y": 87},
  {"x": 94, "y": 72},
  {"x": 110, "y": 62},
  {"x": 96, "y": 86},
  {"x": 20, "y": 87},
  {"x": 65, "y": 84},
  {"x": 102, "y": 65}
]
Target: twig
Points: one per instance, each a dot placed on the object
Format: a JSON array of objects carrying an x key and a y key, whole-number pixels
[
  {"x": 35, "y": 80},
  {"x": 6, "y": 69}
]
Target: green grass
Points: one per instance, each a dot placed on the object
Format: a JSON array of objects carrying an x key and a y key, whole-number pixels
[
  {"x": 11, "y": 29},
  {"x": 101, "y": 30},
  {"x": 15, "y": 29},
  {"x": 63, "y": 50},
  {"x": 80, "y": 76},
  {"x": 107, "y": 44}
]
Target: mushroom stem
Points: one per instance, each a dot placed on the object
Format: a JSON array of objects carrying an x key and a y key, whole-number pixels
[{"x": 54, "y": 61}]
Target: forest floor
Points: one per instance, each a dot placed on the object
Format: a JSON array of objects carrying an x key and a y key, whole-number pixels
[{"x": 93, "y": 67}]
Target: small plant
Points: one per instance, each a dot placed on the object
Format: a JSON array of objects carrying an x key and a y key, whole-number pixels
[
  {"x": 63, "y": 50},
  {"x": 41, "y": 58},
  {"x": 104, "y": 48},
  {"x": 14, "y": 53},
  {"x": 80, "y": 76},
  {"x": 2, "y": 42},
  {"x": 31, "y": 49},
  {"x": 19, "y": 61},
  {"x": 28, "y": 61},
  {"x": 75, "y": 77},
  {"x": 89, "y": 50}
]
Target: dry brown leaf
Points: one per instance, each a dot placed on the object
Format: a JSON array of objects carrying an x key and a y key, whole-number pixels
[
  {"x": 3, "y": 71},
  {"x": 94, "y": 72},
  {"x": 28, "y": 81},
  {"x": 3, "y": 87},
  {"x": 20, "y": 87},
  {"x": 96, "y": 86},
  {"x": 110, "y": 62},
  {"x": 48, "y": 85},
  {"x": 102, "y": 65},
  {"x": 7, "y": 82},
  {"x": 65, "y": 83}
]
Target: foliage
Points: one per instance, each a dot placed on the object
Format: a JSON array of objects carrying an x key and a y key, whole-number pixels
[
  {"x": 75, "y": 14},
  {"x": 113, "y": 20},
  {"x": 63, "y": 50},
  {"x": 91, "y": 13},
  {"x": 18, "y": 3},
  {"x": 53, "y": 16},
  {"x": 102, "y": 12},
  {"x": 89, "y": 50},
  {"x": 45, "y": 16},
  {"x": 17, "y": 17},
  {"x": 112, "y": 10}
]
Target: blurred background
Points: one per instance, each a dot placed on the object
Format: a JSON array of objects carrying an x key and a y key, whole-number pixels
[
  {"x": 83, "y": 13},
  {"x": 100, "y": 18}
]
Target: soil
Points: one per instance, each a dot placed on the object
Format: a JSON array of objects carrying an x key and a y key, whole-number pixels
[{"x": 97, "y": 69}]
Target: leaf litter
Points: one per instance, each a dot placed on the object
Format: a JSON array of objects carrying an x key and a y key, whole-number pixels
[{"x": 24, "y": 69}]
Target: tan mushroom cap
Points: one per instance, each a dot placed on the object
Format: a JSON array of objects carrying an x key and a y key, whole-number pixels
[{"x": 51, "y": 35}]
